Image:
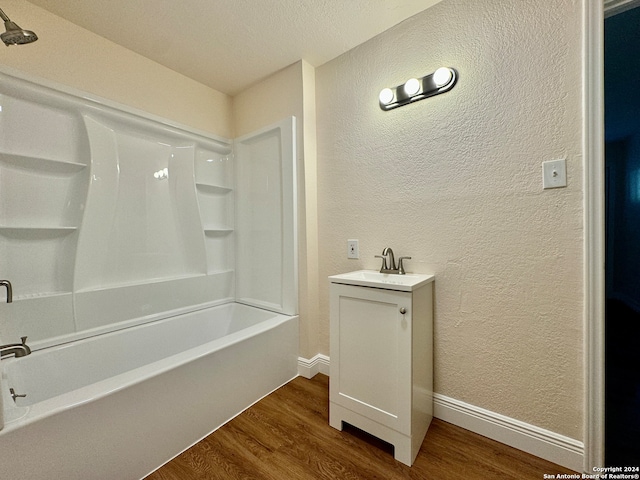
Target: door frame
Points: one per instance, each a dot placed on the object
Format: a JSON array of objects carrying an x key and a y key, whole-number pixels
[
  {"x": 594, "y": 217},
  {"x": 594, "y": 247},
  {"x": 612, "y": 7}
]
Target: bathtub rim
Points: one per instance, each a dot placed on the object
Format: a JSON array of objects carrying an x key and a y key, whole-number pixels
[{"x": 95, "y": 391}]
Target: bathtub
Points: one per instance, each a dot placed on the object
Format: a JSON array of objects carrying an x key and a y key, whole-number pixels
[{"x": 120, "y": 405}]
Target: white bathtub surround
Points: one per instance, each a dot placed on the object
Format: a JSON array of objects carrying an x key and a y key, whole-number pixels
[
  {"x": 267, "y": 236},
  {"x": 87, "y": 222},
  {"x": 121, "y": 404},
  {"x": 111, "y": 217},
  {"x": 120, "y": 234}
]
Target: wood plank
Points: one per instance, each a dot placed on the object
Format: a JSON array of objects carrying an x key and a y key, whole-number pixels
[{"x": 287, "y": 436}]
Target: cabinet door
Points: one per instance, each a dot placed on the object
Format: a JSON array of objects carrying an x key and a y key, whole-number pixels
[{"x": 371, "y": 353}]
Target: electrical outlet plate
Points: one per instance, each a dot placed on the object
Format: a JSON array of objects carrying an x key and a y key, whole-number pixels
[
  {"x": 352, "y": 249},
  {"x": 554, "y": 173}
]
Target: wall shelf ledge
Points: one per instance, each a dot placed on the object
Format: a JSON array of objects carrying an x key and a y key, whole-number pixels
[
  {"x": 46, "y": 165},
  {"x": 218, "y": 230},
  {"x": 38, "y": 227},
  {"x": 212, "y": 189}
]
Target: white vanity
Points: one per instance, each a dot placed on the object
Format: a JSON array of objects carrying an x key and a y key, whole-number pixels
[{"x": 382, "y": 357}]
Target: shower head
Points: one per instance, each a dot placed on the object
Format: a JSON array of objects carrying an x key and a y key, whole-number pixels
[{"x": 14, "y": 34}]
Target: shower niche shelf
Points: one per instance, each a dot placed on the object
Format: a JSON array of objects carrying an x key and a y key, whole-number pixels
[
  {"x": 212, "y": 189},
  {"x": 219, "y": 249},
  {"x": 214, "y": 230},
  {"x": 43, "y": 164},
  {"x": 38, "y": 261},
  {"x": 213, "y": 181},
  {"x": 36, "y": 228},
  {"x": 41, "y": 193}
]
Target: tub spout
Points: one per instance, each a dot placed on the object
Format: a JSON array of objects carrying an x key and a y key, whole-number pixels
[
  {"x": 7, "y": 285},
  {"x": 15, "y": 349}
]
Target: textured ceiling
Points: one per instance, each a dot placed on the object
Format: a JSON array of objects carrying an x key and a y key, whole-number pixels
[{"x": 231, "y": 44}]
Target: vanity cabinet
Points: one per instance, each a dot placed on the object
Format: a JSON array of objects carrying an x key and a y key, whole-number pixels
[{"x": 381, "y": 373}]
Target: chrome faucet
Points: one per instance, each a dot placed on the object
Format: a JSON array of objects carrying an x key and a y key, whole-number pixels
[
  {"x": 387, "y": 252},
  {"x": 7, "y": 285},
  {"x": 390, "y": 267},
  {"x": 15, "y": 349}
]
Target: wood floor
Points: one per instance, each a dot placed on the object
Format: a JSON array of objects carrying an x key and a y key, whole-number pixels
[{"x": 286, "y": 436}]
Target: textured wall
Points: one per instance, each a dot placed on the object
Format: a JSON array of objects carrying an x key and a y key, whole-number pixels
[
  {"x": 455, "y": 182},
  {"x": 70, "y": 55}
]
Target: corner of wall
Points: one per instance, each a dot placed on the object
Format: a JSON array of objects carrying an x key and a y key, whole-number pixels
[
  {"x": 311, "y": 207},
  {"x": 291, "y": 91}
]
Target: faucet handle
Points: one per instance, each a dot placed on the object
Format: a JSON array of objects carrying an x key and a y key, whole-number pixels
[
  {"x": 400, "y": 266},
  {"x": 384, "y": 262}
]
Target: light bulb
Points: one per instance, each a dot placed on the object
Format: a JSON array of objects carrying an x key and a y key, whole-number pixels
[
  {"x": 442, "y": 76},
  {"x": 412, "y": 86},
  {"x": 386, "y": 96}
]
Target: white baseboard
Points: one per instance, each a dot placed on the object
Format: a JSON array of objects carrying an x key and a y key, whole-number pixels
[
  {"x": 537, "y": 441},
  {"x": 309, "y": 368}
]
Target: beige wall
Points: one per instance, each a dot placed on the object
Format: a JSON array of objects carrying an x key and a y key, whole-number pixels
[
  {"x": 455, "y": 182},
  {"x": 291, "y": 91},
  {"x": 73, "y": 56},
  {"x": 269, "y": 101}
]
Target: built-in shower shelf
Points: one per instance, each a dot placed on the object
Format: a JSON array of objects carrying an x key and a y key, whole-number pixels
[
  {"x": 212, "y": 189},
  {"x": 218, "y": 231},
  {"x": 35, "y": 229},
  {"x": 45, "y": 165}
]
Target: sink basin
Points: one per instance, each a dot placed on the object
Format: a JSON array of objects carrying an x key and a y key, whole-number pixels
[{"x": 389, "y": 281}]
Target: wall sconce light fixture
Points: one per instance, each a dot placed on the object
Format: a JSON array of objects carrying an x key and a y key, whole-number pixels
[{"x": 414, "y": 89}]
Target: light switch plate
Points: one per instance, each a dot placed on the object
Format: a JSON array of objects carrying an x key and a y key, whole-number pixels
[{"x": 554, "y": 173}]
